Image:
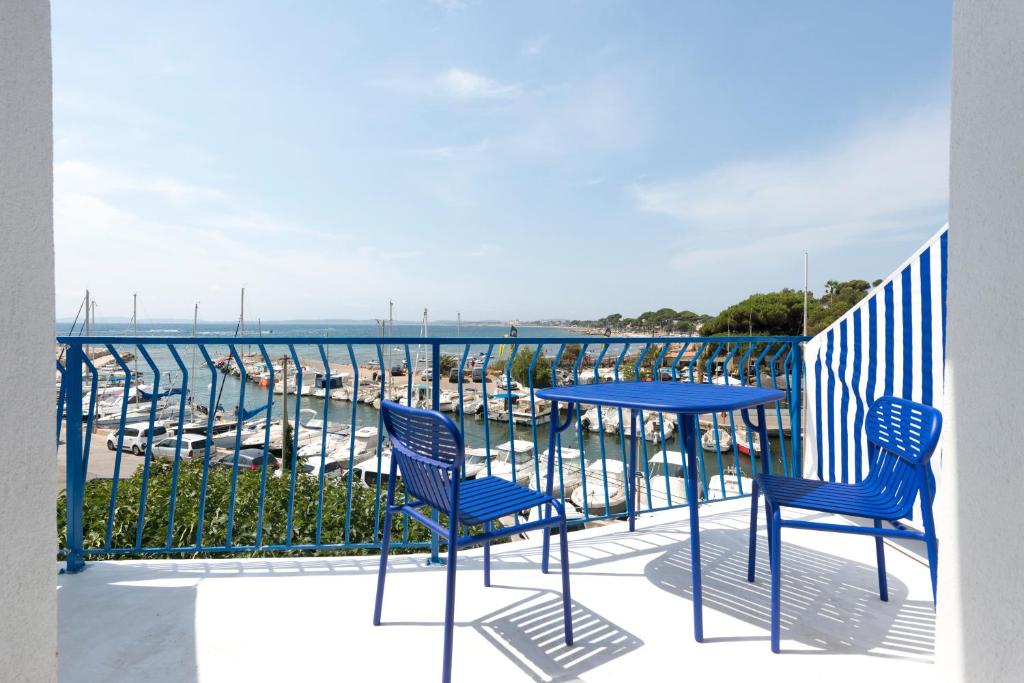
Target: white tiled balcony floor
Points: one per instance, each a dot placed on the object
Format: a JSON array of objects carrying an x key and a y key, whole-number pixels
[{"x": 310, "y": 619}]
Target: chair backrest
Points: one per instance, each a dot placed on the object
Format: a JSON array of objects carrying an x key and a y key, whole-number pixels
[
  {"x": 902, "y": 435},
  {"x": 428, "y": 450}
]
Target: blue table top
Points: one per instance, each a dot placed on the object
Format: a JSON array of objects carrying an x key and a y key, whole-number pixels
[{"x": 668, "y": 397}]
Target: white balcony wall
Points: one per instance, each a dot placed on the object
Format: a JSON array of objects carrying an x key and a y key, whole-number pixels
[
  {"x": 28, "y": 608},
  {"x": 981, "y": 553}
]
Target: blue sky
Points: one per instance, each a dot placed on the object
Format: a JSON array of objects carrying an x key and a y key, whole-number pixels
[{"x": 504, "y": 160}]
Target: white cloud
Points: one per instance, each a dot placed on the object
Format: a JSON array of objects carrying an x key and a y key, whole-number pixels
[
  {"x": 465, "y": 84},
  {"x": 878, "y": 182},
  {"x": 175, "y": 243}
]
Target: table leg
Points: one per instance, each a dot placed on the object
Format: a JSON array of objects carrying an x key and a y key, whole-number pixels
[
  {"x": 631, "y": 474},
  {"x": 690, "y": 430}
]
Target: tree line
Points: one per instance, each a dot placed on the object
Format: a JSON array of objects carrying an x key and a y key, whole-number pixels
[{"x": 769, "y": 313}]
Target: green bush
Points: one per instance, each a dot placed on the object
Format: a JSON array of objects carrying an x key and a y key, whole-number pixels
[{"x": 364, "y": 506}]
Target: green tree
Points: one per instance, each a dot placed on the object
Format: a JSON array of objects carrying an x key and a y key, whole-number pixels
[
  {"x": 521, "y": 369},
  {"x": 569, "y": 356},
  {"x": 447, "y": 363}
]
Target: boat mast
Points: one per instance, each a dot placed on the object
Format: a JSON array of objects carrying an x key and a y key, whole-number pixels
[
  {"x": 391, "y": 333},
  {"x": 192, "y": 377},
  {"x": 87, "y": 328},
  {"x": 135, "y": 330},
  {"x": 458, "y": 317}
]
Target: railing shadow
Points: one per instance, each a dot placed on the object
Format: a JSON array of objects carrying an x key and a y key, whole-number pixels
[
  {"x": 829, "y": 603},
  {"x": 529, "y": 632}
]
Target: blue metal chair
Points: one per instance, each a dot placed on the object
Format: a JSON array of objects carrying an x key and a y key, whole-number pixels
[
  {"x": 427, "y": 450},
  {"x": 902, "y": 435}
]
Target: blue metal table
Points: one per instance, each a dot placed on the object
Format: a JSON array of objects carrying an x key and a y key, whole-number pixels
[{"x": 687, "y": 400}]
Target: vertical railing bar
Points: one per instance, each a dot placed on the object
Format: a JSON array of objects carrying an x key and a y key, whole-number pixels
[
  {"x": 351, "y": 442},
  {"x": 328, "y": 387},
  {"x": 555, "y": 420},
  {"x": 211, "y": 414},
  {"x": 266, "y": 442},
  {"x": 579, "y": 431},
  {"x": 242, "y": 379},
  {"x": 462, "y": 400},
  {"x": 293, "y": 469},
  {"x": 533, "y": 417},
  {"x": 74, "y": 493},
  {"x": 116, "y": 479},
  {"x": 486, "y": 408},
  {"x": 508, "y": 412},
  {"x": 61, "y": 399},
  {"x": 642, "y": 436},
  {"x": 600, "y": 426},
  {"x": 172, "y": 503},
  {"x": 661, "y": 426},
  {"x": 380, "y": 443},
  {"x": 140, "y": 519},
  {"x": 435, "y": 405},
  {"x": 87, "y": 440}
]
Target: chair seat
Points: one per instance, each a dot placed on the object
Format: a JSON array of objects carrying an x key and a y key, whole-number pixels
[
  {"x": 482, "y": 500},
  {"x": 857, "y": 500}
]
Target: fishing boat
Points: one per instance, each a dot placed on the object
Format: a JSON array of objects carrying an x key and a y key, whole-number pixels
[
  {"x": 747, "y": 442},
  {"x": 523, "y": 413},
  {"x": 707, "y": 440}
]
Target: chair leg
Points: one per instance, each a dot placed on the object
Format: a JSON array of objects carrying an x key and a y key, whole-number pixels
[
  {"x": 775, "y": 551},
  {"x": 487, "y": 555},
  {"x": 768, "y": 522},
  {"x": 546, "y": 545},
  {"x": 449, "y": 616},
  {"x": 883, "y": 584},
  {"x": 752, "y": 551},
  {"x": 383, "y": 569},
  {"x": 566, "y": 597}
]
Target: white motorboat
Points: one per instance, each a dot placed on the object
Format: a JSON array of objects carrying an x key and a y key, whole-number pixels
[
  {"x": 525, "y": 460},
  {"x": 667, "y": 485},
  {"x": 595, "y": 502},
  {"x": 476, "y": 462},
  {"x": 707, "y": 440},
  {"x": 729, "y": 485},
  {"x": 566, "y": 478}
]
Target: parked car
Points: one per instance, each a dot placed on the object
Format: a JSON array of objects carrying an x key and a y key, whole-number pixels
[
  {"x": 192, "y": 446},
  {"x": 427, "y": 375},
  {"x": 453, "y": 375},
  {"x": 478, "y": 374},
  {"x": 333, "y": 468},
  {"x": 135, "y": 437},
  {"x": 397, "y": 370},
  {"x": 248, "y": 459}
]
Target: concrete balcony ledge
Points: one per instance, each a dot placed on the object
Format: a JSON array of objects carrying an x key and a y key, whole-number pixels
[{"x": 309, "y": 619}]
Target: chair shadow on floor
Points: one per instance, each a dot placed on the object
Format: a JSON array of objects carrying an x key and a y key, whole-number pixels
[
  {"x": 829, "y": 604},
  {"x": 529, "y": 633}
]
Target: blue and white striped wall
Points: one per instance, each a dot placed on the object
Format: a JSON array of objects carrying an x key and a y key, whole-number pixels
[{"x": 892, "y": 342}]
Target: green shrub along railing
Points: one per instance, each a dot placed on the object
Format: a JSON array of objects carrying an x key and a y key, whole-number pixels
[{"x": 365, "y": 509}]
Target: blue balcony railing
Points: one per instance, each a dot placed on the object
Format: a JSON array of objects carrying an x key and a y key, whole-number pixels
[{"x": 183, "y": 474}]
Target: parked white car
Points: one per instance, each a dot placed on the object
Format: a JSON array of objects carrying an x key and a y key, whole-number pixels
[
  {"x": 135, "y": 437},
  {"x": 192, "y": 446}
]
